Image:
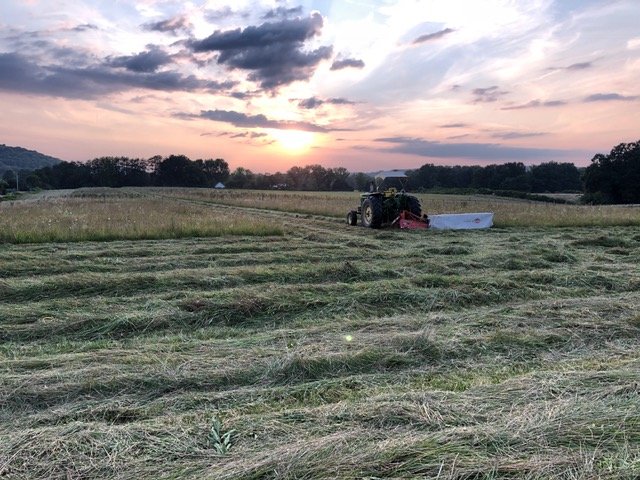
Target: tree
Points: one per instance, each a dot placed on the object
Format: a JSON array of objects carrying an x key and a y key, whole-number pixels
[
  {"x": 614, "y": 178},
  {"x": 338, "y": 179},
  {"x": 9, "y": 178},
  {"x": 555, "y": 177},
  {"x": 105, "y": 171},
  {"x": 241, "y": 178},
  {"x": 360, "y": 181},
  {"x": 66, "y": 175},
  {"x": 296, "y": 176},
  {"x": 180, "y": 171},
  {"x": 215, "y": 170}
]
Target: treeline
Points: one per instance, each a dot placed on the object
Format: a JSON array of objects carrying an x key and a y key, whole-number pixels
[
  {"x": 546, "y": 177},
  {"x": 310, "y": 177},
  {"x": 171, "y": 171},
  {"x": 180, "y": 171},
  {"x": 612, "y": 178},
  {"x": 176, "y": 171}
]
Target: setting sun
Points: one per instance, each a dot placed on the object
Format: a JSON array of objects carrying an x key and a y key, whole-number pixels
[{"x": 293, "y": 141}]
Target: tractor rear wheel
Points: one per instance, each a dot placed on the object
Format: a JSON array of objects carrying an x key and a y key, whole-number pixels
[
  {"x": 414, "y": 206},
  {"x": 352, "y": 218},
  {"x": 372, "y": 212}
]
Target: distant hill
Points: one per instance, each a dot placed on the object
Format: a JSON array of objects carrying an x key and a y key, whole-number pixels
[{"x": 19, "y": 158}]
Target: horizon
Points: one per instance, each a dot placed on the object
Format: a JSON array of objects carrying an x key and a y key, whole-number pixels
[
  {"x": 372, "y": 172},
  {"x": 267, "y": 85}
]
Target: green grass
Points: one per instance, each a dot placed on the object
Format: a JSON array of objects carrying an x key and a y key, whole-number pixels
[
  {"x": 112, "y": 214},
  {"x": 327, "y": 352}
]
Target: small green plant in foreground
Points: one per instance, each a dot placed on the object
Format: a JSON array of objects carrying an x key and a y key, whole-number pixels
[{"x": 220, "y": 442}]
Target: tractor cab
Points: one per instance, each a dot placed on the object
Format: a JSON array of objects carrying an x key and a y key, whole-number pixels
[{"x": 389, "y": 182}]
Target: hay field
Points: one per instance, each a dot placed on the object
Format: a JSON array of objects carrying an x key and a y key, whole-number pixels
[
  {"x": 109, "y": 214},
  {"x": 509, "y": 212},
  {"x": 327, "y": 352}
]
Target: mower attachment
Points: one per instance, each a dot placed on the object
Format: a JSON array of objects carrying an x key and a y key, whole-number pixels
[{"x": 409, "y": 221}]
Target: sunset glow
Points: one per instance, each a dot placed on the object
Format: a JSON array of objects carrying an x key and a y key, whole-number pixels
[
  {"x": 294, "y": 142},
  {"x": 363, "y": 85}
]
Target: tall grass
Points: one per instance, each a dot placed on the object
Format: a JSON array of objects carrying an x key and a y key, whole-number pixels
[
  {"x": 508, "y": 212},
  {"x": 115, "y": 217},
  {"x": 332, "y": 204}
]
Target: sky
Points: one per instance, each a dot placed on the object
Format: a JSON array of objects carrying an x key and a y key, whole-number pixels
[{"x": 361, "y": 84}]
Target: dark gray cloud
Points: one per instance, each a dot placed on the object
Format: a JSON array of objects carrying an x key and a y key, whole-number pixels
[
  {"x": 340, "y": 101},
  {"x": 553, "y": 103},
  {"x": 347, "y": 63},
  {"x": 475, "y": 151},
  {"x": 579, "y": 66},
  {"x": 516, "y": 135},
  {"x": 433, "y": 36},
  {"x": 315, "y": 102},
  {"x": 457, "y": 137},
  {"x": 285, "y": 31},
  {"x": 38, "y": 44},
  {"x": 310, "y": 103},
  {"x": 488, "y": 94},
  {"x": 536, "y": 104},
  {"x": 251, "y": 135},
  {"x": 608, "y": 97},
  {"x": 573, "y": 66},
  {"x": 170, "y": 25},
  {"x": 241, "y": 95},
  {"x": 148, "y": 61},
  {"x": 271, "y": 53},
  {"x": 242, "y": 120},
  {"x": 250, "y": 138},
  {"x": 239, "y": 119},
  {"x": 454, "y": 125},
  {"x": 19, "y": 74},
  {"x": 85, "y": 27},
  {"x": 282, "y": 12}
]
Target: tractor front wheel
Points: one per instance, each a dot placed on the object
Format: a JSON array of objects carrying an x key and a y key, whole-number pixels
[
  {"x": 372, "y": 212},
  {"x": 352, "y": 218}
]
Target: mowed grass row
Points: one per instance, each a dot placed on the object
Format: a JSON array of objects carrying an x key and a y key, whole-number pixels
[
  {"x": 329, "y": 352},
  {"x": 508, "y": 212},
  {"x": 281, "y": 280},
  {"x": 104, "y": 217}
]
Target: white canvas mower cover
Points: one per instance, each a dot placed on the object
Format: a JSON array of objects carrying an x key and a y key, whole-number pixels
[{"x": 461, "y": 221}]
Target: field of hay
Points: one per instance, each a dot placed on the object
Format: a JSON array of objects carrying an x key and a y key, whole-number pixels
[
  {"x": 313, "y": 349},
  {"x": 509, "y": 212},
  {"x": 104, "y": 214}
]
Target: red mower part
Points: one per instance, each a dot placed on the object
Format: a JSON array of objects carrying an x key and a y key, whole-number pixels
[{"x": 409, "y": 221}]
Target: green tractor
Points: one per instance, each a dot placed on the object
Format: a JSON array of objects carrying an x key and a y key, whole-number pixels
[{"x": 384, "y": 205}]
